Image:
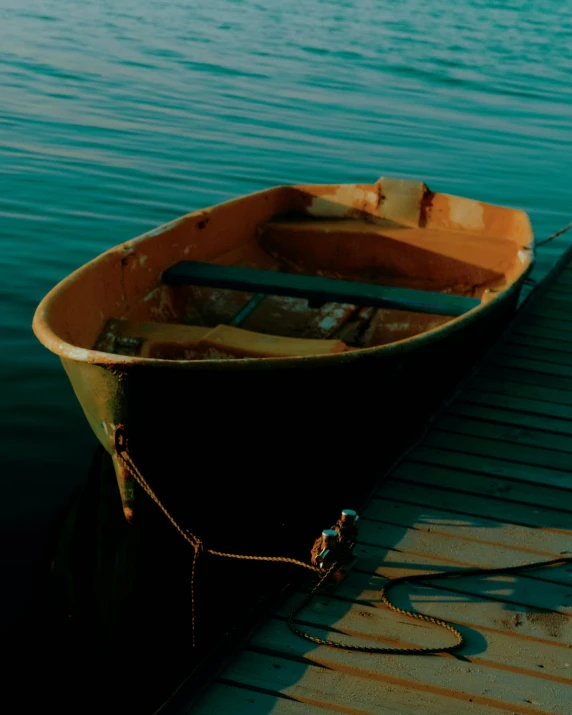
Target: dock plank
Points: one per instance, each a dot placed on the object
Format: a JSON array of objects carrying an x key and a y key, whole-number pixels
[
  {"x": 421, "y": 556},
  {"x": 497, "y": 467},
  {"x": 510, "y": 434},
  {"x": 524, "y": 376},
  {"x": 552, "y": 328},
  {"x": 557, "y": 301},
  {"x": 223, "y": 699},
  {"x": 541, "y": 354},
  {"x": 450, "y": 678},
  {"x": 539, "y": 329},
  {"x": 493, "y": 489},
  {"x": 561, "y": 414},
  {"x": 470, "y": 405},
  {"x": 475, "y": 504},
  {"x": 342, "y": 689},
  {"x": 550, "y": 310},
  {"x": 537, "y": 342},
  {"x": 428, "y": 549},
  {"x": 485, "y": 528},
  {"x": 514, "y": 388},
  {"x": 558, "y": 462},
  {"x": 531, "y": 364}
]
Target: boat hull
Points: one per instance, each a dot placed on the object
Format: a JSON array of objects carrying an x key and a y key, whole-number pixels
[
  {"x": 309, "y": 439},
  {"x": 308, "y": 431}
]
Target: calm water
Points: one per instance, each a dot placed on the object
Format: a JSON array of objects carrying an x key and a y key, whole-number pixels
[{"x": 118, "y": 116}]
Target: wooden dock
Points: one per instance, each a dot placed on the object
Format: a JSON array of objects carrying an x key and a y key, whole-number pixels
[{"x": 490, "y": 485}]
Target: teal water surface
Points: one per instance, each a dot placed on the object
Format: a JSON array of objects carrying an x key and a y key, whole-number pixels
[{"x": 118, "y": 116}]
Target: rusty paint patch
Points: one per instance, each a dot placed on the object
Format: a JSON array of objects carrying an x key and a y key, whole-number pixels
[{"x": 425, "y": 207}]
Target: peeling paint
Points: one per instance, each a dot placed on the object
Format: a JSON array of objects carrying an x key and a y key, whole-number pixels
[{"x": 466, "y": 213}]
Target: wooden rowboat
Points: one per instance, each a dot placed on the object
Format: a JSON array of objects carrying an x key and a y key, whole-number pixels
[{"x": 279, "y": 338}]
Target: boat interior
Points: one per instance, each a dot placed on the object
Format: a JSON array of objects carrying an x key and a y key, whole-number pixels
[{"x": 304, "y": 271}]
